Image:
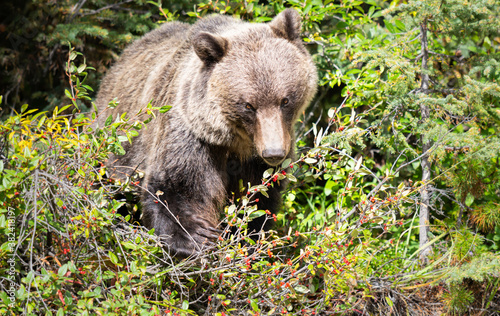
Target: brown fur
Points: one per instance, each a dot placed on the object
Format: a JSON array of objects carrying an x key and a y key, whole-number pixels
[{"x": 228, "y": 82}]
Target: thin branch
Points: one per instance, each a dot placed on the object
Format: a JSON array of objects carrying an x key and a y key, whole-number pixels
[
  {"x": 425, "y": 163},
  {"x": 113, "y": 6}
]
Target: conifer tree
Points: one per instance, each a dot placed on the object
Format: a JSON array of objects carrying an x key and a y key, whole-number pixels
[{"x": 438, "y": 78}]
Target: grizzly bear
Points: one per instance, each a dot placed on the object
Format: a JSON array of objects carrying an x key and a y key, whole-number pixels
[{"x": 236, "y": 90}]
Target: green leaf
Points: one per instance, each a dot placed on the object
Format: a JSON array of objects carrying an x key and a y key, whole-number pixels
[
  {"x": 231, "y": 209},
  {"x": 71, "y": 266},
  {"x": 165, "y": 108},
  {"x": 109, "y": 120},
  {"x": 329, "y": 186},
  {"x": 6, "y": 182},
  {"x": 291, "y": 177},
  {"x": 63, "y": 108},
  {"x": 42, "y": 120},
  {"x": 331, "y": 112},
  {"x": 113, "y": 257},
  {"x": 286, "y": 163},
  {"x": 256, "y": 214},
  {"x": 390, "y": 27},
  {"x": 371, "y": 10},
  {"x": 400, "y": 25},
  {"x": 268, "y": 173},
  {"x": 81, "y": 173},
  {"x": 185, "y": 305},
  {"x": 37, "y": 115},
  {"x": 81, "y": 68},
  {"x": 62, "y": 270},
  {"x": 254, "y": 305},
  {"x": 310, "y": 160},
  {"x": 310, "y": 267},
  {"x": 129, "y": 245},
  {"x": 389, "y": 301},
  {"x": 353, "y": 71},
  {"x": 301, "y": 289},
  {"x": 30, "y": 276},
  {"x": 469, "y": 200},
  {"x": 68, "y": 94}
]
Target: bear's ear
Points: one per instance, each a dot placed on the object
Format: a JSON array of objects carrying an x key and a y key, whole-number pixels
[
  {"x": 287, "y": 25},
  {"x": 209, "y": 47}
]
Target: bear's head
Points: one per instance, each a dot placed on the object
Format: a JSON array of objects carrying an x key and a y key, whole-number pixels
[{"x": 259, "y": 78}]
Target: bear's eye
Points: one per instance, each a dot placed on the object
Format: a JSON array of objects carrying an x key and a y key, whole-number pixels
[
  {"x": 284, "y": 101},
  {"x": 249, "y": 106}
]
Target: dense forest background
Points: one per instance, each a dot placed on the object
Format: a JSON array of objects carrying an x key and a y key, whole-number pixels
[{"x": 393, "y": 206}]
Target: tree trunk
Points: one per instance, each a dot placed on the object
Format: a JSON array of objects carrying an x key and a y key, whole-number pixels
[{"x": 426, "y": 166}]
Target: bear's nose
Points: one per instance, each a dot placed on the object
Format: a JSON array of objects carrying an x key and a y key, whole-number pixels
[{"x": 273, "y": 156}]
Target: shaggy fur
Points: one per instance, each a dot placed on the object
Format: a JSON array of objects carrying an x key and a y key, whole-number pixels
[{"x": 236, "y": 89}]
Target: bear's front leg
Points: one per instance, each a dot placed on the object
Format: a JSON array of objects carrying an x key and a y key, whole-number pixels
[{"x": 185, "y": 221}]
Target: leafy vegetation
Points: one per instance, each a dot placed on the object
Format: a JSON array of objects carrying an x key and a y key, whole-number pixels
[{"x": 393, "y": 202}]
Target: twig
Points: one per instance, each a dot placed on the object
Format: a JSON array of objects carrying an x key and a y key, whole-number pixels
[{"x": 110, "y": 6}]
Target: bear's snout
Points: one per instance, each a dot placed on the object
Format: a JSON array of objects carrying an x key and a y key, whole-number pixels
[
  {"x": 272, "y": 139},
  {"x": 274, "y": 156}
]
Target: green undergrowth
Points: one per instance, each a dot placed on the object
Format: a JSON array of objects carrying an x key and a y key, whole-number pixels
[{"x": 342, "y": 248}]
